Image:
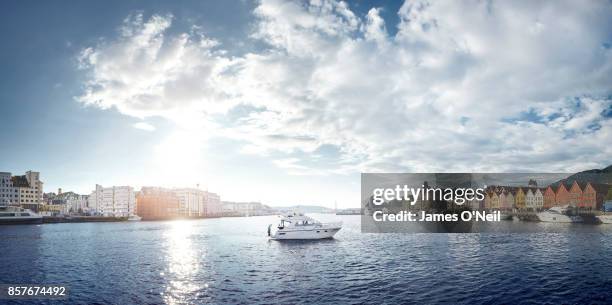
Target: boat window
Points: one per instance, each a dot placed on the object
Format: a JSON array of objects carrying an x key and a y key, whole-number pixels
[
  {"x": 25, "y": 214},
  {"x": 281, "y": 233},
  {"x": 7, "y": 214}
]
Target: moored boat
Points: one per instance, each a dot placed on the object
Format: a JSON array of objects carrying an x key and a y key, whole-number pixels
[
  {"x": 299, "y": 226},
  {"x": 558, "y": 214},
  {"x": 18, "y": 215},
  {"x": 134, "y": 217},
  {"x": 605, "y": 219}
]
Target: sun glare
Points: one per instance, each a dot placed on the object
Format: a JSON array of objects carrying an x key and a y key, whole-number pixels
[{"x": 179, "y": 158}]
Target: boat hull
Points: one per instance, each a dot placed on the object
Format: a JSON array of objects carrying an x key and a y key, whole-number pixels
[
  {"x": 558, "y": 218},
  {"x": 319, "y": 233},
  {"x": 606, "y": 219},
  {"x": 20, "y": 221}
]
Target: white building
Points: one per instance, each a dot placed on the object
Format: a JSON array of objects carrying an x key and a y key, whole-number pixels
[
  {"x": 73, "y": 202},
  {"x": 112, "y": 201},
  {"x": 538, "y": 198},
  {"x": 245, "y": 208},
  {"x": 213, "y": 204},
  {"x": 8, "y": 194},
  {"x": 25, "y": 190},
  {"x": 192, "y": 201}
]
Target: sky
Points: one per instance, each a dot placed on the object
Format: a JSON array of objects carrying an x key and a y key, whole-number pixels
[{"x": 287, "y": 102}]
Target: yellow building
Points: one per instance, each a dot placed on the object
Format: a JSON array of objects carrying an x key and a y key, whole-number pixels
[{"x": 519, "y": 198}]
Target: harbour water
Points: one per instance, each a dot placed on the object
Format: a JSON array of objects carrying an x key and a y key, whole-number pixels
[{"x": 231, "y": 261}]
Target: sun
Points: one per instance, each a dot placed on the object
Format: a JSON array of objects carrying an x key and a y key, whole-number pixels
[{"x": 179, "y": 158}]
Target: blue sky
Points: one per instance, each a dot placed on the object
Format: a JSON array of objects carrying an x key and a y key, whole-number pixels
[{"x": 287, "y": 102}]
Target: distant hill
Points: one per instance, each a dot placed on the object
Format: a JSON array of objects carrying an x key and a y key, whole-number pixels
[
  {"x": 305, "y": 209},
  {"x": 593, "y": 175}
]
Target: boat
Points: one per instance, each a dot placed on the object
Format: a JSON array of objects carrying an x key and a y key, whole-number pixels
[
  {"x": 607, "y": 219},
  {"x": 299, "y": 226},
  {"x": 18, "y": 215},
  {"x": 134, "y": 217},
  {"x": 558, "y": 214},
  {"x": 506, "y": 216}
]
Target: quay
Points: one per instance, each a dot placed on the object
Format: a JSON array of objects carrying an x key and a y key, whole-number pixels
[
  {"x": 589, "y": 217},
  {"x": 77, "y": 219}
]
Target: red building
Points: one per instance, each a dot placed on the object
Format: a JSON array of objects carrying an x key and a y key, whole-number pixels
[
  {"x": 575, "y": 195},
  {"x": 562, "y": 196},
  {"x": 593, "y": 195},
  {"x": 549, "y": 197},
  {"x": 157, "y": 203}
]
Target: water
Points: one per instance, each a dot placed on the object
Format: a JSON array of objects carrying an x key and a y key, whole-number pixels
[{"x": 230, "y": 261}]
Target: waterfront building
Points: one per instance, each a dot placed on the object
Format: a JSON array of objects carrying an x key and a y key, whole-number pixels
[
  {"x": 509, "y": 203},
  {"x": 575, "y": 195},
  {"x": 25, "y": 190},
  {"x": 487, "y": 200},
  {"x": 562, "y": 195},
  {"x": 192, "y": 201},
  {"x": 549, "y": 197},
  {"x": 8, "y": 194},
  {"x": 519, "y": 198},
  {"x": 245, "y": 209},
  {"x": 74, "y": 203},
  {"x": 158, "y": 203},
  {"x": 502, "y": 198},
  {"x": 213, "y": 204},
  {"x": 494, "y": 200},
  {"x": 530, "y": 199},
  {"x": 112, "y": 201},
  {"x": 539, "y": 198},
  {"x": 594, "y": 195}
]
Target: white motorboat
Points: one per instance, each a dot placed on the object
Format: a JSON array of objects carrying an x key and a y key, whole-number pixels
[
  {"x": 558, "y": 214},
  {"x": 607, "y": 219},
  {"x": 299, "y": 226},
  {"x": 18, "y": 215},
  {"x": 134, "y": 217}
]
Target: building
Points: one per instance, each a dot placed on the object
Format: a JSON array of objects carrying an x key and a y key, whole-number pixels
[
  {"x": 530, "y": 199},
  {"x": 494, "y": 200},
  {"x": 487, "y": 201},
  {"x": 519, "y": 198},
  {"x": 117, "y": 201},
  {"x": 193, "y": 201},
  {"x": 72, "y": 202},
  {"x": 8, "y": 194},
  {"x": 509, "y": 205},
  {"x": 575, "y": 195},
  {"x": 594, "y": 195},
  {"x": 562, "y": 197},
  {"x": 25, "y": 190},
  {"x": 213, "y": 204},
  {"x": 158, "y": 203},
  {"x": 549, "y": 197},
  {"x": 539, "y": 198},
  {"x": 241, "y": 208}
]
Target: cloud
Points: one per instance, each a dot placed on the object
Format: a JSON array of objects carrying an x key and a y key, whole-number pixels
[
  {"x": 144, "y": 126},
  {"x": 452, "y": 90}
]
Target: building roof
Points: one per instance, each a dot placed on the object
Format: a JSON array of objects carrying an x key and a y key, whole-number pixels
[{"x": 20, "y": 181}]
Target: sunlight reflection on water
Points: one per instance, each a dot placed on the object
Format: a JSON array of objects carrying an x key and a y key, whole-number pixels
[{"x": 182, "y": 262}]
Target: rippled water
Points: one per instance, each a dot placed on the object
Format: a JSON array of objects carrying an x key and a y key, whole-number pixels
[{"x": 230, "y": 260}]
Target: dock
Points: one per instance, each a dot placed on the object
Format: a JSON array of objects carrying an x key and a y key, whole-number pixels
[{"x": 78, "y": 219}]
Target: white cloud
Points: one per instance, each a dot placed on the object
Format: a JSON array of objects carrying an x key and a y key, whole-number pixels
[
  {"x": 144, "y": 126},
  {"x": 451, "y": 90}
]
